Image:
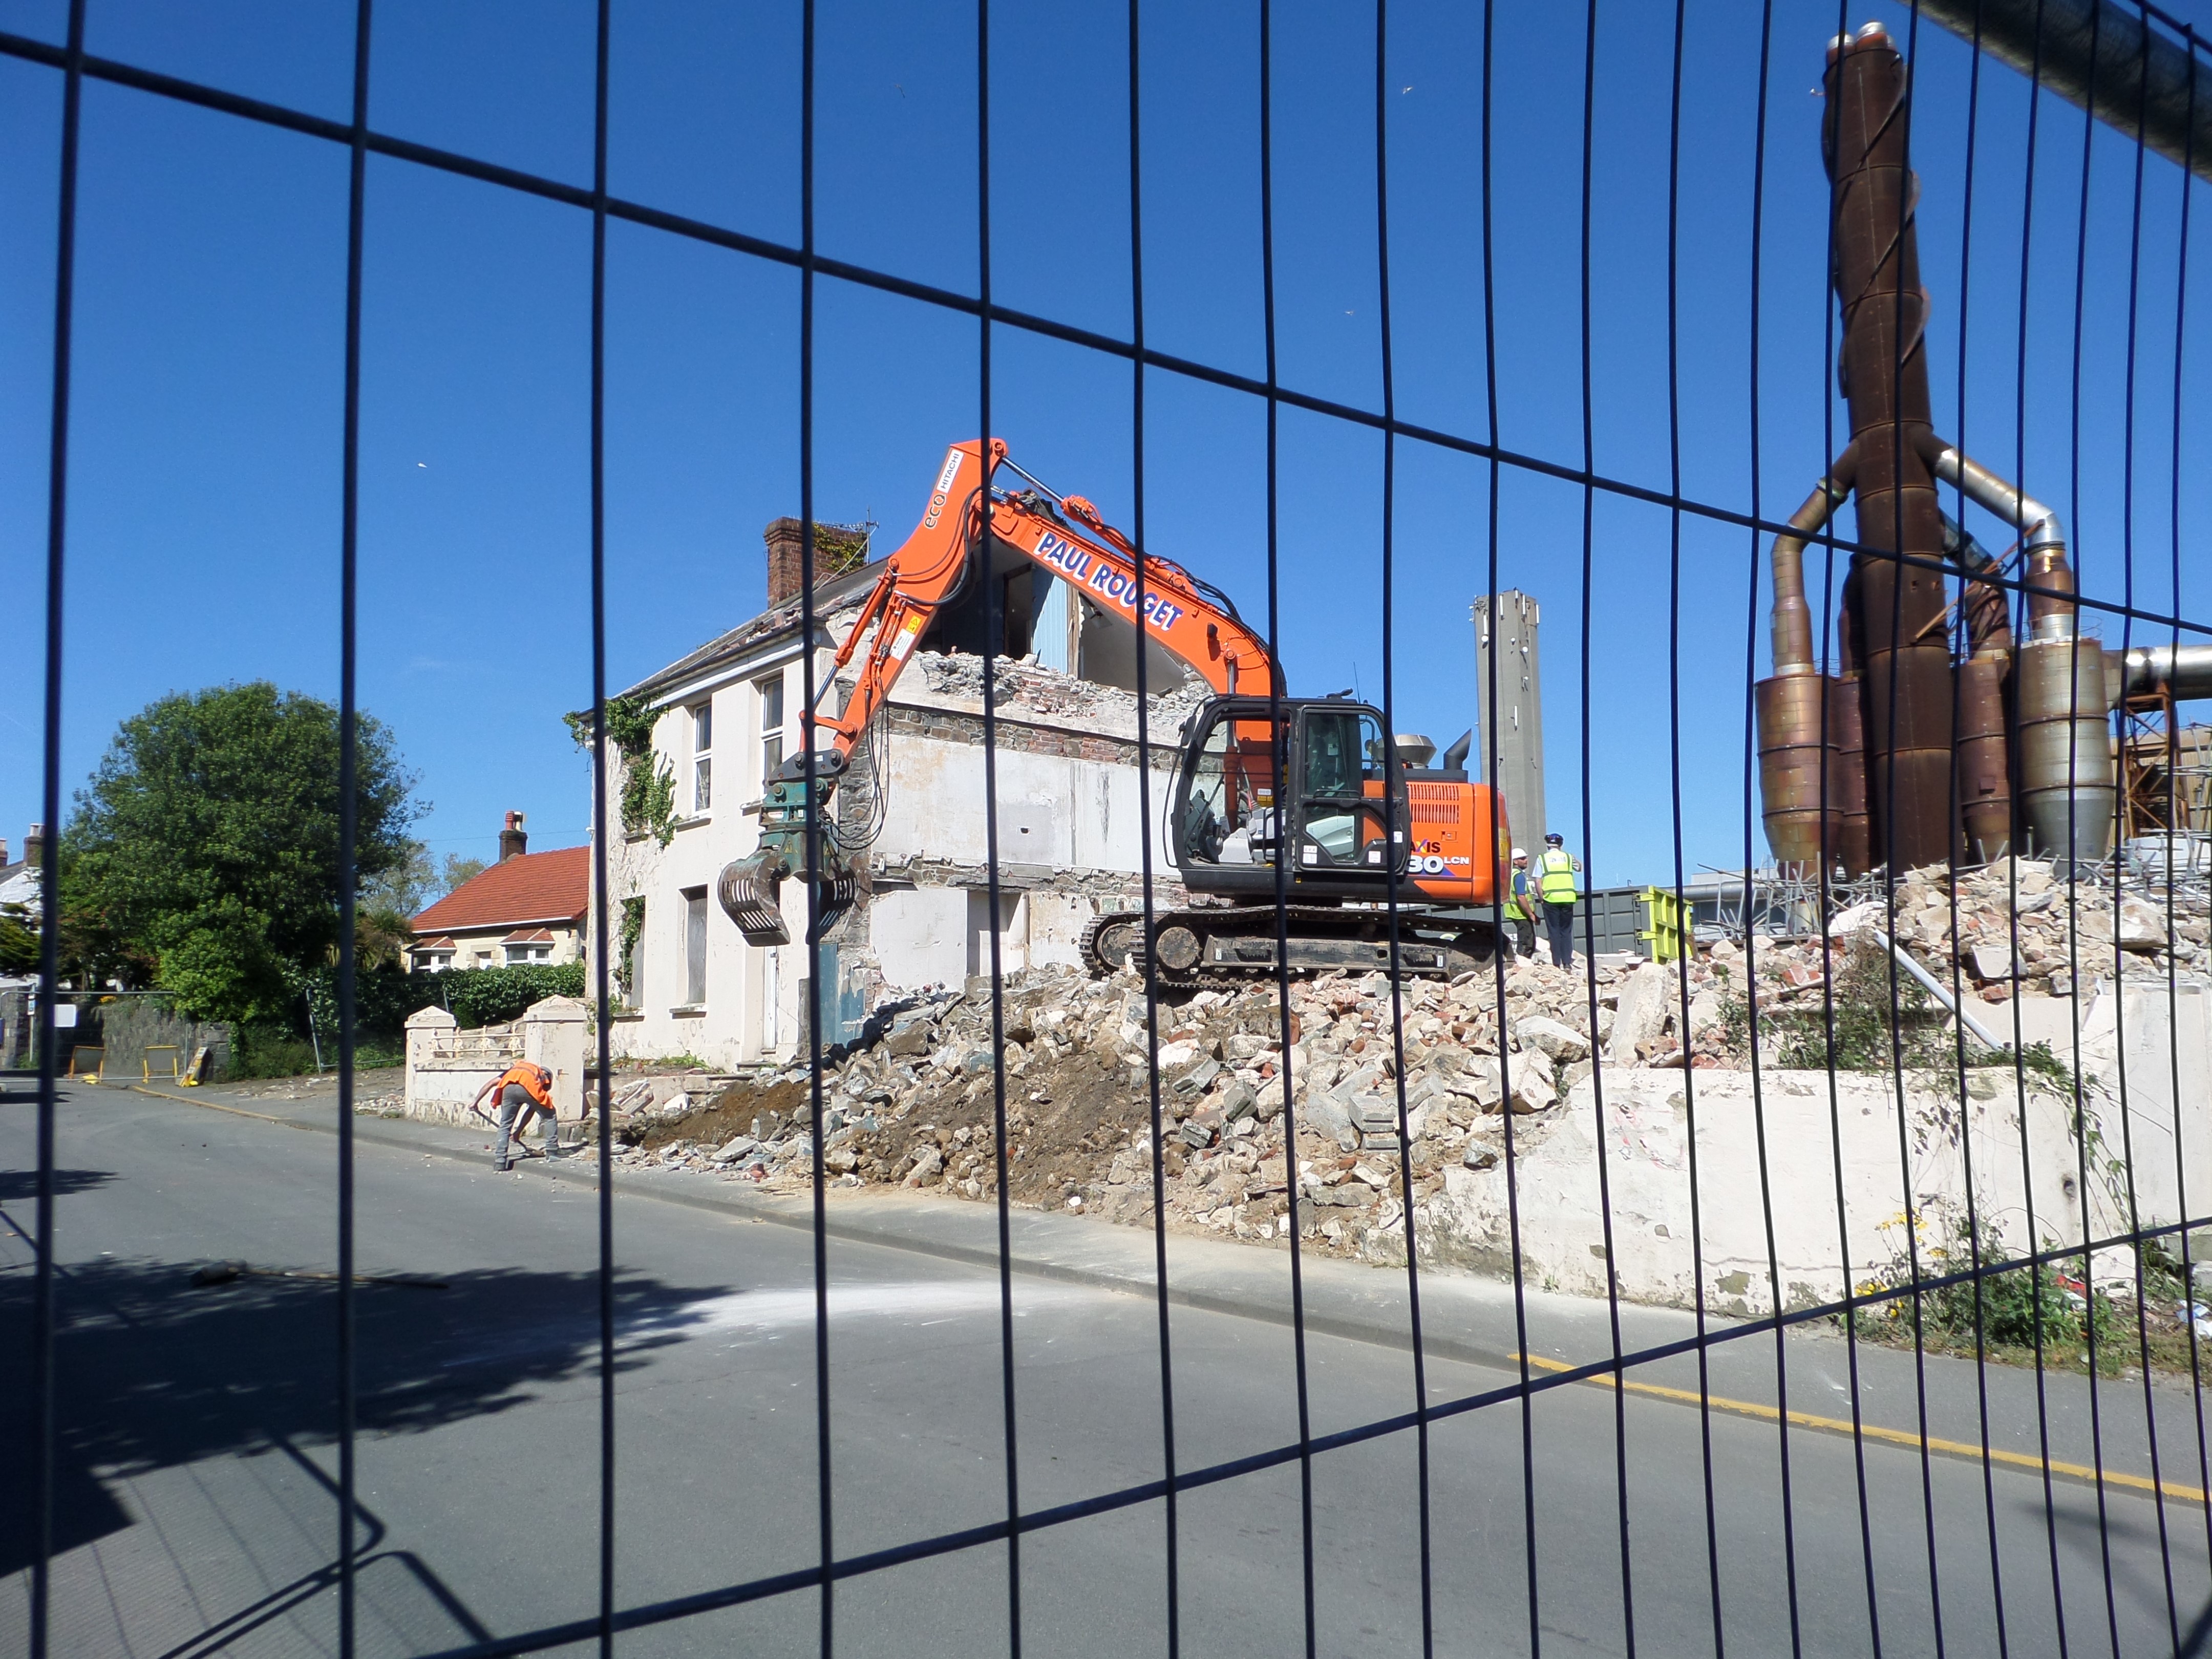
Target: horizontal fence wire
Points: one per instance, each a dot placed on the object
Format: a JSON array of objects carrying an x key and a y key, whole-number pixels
[{"x": 1534, "y": 1376}]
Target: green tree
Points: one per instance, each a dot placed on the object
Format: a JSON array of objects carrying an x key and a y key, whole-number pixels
[
  {"x": 208, "y": 840},
  {"x": 19, "y": 941},
  {"x": 460, "y": 871}
]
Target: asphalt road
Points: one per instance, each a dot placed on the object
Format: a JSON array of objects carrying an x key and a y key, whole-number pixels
[{"x": 195, "y": 1459}]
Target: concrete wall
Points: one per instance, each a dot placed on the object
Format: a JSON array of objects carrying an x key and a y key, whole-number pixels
[{"x": 1897, "y": 1157}]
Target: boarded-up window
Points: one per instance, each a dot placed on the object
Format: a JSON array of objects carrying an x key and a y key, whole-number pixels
[{"x": 695, "y": 948}]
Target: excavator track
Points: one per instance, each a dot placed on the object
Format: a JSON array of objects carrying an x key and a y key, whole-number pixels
[{"x": 1229, "y": 944}]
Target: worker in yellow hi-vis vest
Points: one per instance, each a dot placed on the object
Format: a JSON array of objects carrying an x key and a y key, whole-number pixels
[
  {"x": 1556, "y": 869},
  {"x": 1521, "y": 907}
]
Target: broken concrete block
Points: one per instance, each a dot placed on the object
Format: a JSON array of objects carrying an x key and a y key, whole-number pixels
[
  {"x": 1551, "y": 1038},
  {"x": 1642, "y": 1012}
]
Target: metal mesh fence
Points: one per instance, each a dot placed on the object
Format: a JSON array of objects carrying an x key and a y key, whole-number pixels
[{"x": 2081, "y": 1518}]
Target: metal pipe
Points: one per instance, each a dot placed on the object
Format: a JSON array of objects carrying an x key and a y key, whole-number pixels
[
  {"x": 2183, "y": 671},
  {"x": 2051, "y": 615},
  {"x": 2078, "y": 48},
  {"x": 1904, "y": 960},
  {"x": 1793, "y": 618},
  {"x": 2066, "y": 798}
]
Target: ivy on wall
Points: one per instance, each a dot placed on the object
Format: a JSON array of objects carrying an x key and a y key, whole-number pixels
[
  {"x": 633, "y": 926},
  {"x": 647, "y": 803}
]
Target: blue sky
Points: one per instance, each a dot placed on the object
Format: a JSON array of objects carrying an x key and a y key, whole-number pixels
[{"x": 206, "y": 448}]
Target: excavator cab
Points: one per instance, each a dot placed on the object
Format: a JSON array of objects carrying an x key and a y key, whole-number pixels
[{"x": 1315, "y": 782}]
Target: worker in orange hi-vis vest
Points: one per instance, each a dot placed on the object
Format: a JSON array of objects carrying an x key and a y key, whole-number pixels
[{"x": 524, "y": 1088}]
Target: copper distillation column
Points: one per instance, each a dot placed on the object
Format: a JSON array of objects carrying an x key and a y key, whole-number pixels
[{"x": 2013, "y": 746}]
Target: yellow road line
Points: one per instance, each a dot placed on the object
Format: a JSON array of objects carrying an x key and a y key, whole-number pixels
[{"x": 1890, "y": 1437}]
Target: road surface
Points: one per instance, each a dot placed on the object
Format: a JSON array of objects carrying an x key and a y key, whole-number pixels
[{"x": 196, "y": 1463}]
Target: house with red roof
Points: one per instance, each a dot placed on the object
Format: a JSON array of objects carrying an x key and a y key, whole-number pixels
[{"x": 526, "y": 910}]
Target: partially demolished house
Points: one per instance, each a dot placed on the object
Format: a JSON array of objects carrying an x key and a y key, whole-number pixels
[{"x": 1070, "y": 812}]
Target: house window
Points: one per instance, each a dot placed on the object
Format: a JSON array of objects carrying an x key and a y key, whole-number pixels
[
  {"x": 702, "y": 764},
  {"x": 771, "y": 723},
  {"x": 695, "y": 948},
  {"x": 519, "y": 954},
  {"x": 437, "y": 962}
]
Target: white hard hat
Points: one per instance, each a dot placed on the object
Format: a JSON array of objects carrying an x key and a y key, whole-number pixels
[{"x": 1518, "y": 853}]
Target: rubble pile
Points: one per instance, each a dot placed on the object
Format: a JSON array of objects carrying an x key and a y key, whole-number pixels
[
  {"x": 2020, "y": 926},
  {"x": 914, "y": 1104},
  {"x": 1025, "y": 687}
]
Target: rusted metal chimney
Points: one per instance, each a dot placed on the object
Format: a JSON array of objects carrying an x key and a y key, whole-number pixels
[
  {"x": 513, "y": 842},
  {"x": 1904, "y": 659}
]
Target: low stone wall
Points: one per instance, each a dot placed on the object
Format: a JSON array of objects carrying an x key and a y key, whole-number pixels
[
  {"x": 447, "y": 1067},
  {"x": 129, "y": 1026}
]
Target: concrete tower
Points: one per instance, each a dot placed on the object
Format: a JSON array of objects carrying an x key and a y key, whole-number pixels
[{"x": 1518, "y": 771}]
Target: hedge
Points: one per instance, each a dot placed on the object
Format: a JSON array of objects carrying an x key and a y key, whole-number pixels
[{"x": 385, "y": 997}]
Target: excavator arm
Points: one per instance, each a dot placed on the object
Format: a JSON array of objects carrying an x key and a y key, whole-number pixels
[{"x": 1063, "y": 535}]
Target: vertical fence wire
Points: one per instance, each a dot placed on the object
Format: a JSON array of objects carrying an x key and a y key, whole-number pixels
[
  {"x": 1599, "y": 1137},
  {"x": 1397, "y": 835},
  {"x": 1959, "y": 429},
  {"x": 349, "y": 827},
  {"x": 43, "y": 1311},
  {"x": 993, "y": 648},
  {"x": 1907, "y": 207},
  {"x": 1753, "y": 357},
  {"x": 2074, "y": 831},
  {"x": 1675, "y": 802},
  {"x": 2119, "y": 955},
  {"x": 1510, "y": 1158},
  {"x": 602, "y": 939},
  {"x": 1168, "y": 1462},
  {"x": 1279, "y": 760},
  {"x": 809, "y": 657},
  {"x": 1909, "y": 1299}
]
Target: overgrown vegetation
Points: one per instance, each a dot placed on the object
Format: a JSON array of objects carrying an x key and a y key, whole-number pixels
[
  {"x": 633, "y": 927},
  {"x": 2020, "y": 1306},
  {"x": 1883, "y": 1018},
  {"x": 383, "y": 999},
  {"x": 647, "y": 803}
]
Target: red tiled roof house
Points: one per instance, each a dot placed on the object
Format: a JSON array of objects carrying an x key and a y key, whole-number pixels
[{"x": 528, "y": 908}]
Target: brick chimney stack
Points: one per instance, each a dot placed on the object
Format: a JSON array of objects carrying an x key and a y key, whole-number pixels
[
  {"x": 34, "y": 844},
  {"x": 785, "y": 539},
  {"x": 513, "y": 843}
]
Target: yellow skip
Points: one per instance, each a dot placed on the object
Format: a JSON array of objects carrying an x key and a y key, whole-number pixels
[{"x": 1891, "y": 1436}]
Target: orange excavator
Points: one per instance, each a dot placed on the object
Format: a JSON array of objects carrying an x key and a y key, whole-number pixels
[{"x": 1313, "y": 788}]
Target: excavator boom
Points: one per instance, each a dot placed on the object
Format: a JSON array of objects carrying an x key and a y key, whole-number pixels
[{"x": 1063, "y": 535}]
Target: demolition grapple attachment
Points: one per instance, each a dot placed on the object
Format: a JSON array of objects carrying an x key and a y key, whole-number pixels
[{"x": 750, "y": 890}]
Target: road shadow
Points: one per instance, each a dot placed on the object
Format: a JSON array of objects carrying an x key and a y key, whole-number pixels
[
  {"x": 21, "y": 1186},
  {"x": 152, "y": 1371}
]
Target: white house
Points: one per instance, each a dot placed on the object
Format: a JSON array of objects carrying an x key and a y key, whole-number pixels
[{"x": 1069, "y": 816}]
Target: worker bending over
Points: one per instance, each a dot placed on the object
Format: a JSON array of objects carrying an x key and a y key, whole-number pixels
[
  {"x": 1556, "y": 868},
  {"x": 525, "y": 1089}
]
